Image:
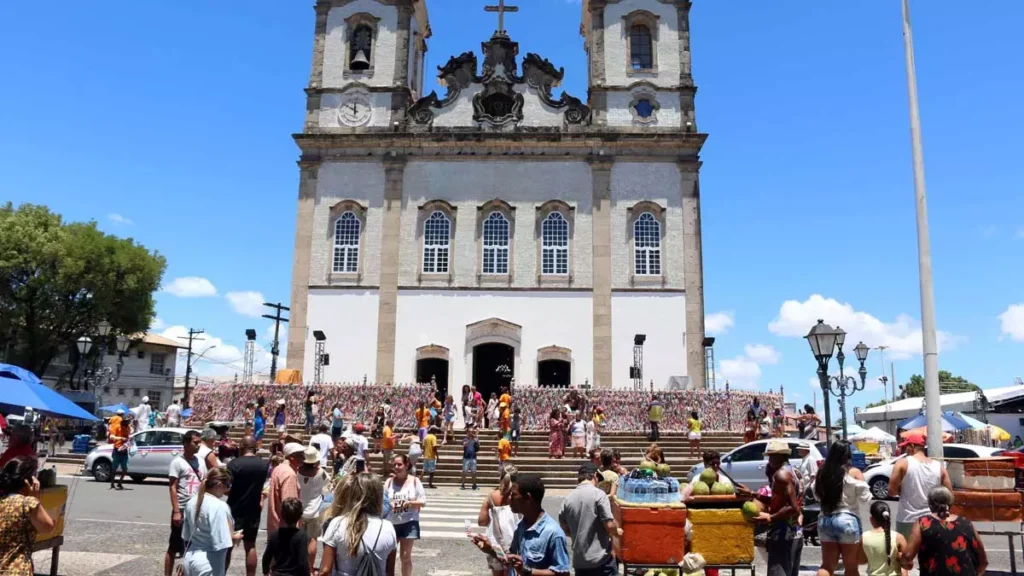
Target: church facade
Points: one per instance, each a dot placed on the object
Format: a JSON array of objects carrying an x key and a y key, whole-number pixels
[{"x": 504, "y": 231}]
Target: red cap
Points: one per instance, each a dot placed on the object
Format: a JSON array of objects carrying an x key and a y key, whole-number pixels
[
  {"x": 359, "y": 428},
  {"x": 915, "y": 438}
]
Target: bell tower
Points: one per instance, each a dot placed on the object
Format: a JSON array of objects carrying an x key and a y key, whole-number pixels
[
  {"x": 638, "y": 53},
  {"x": 367, "y": 63}
]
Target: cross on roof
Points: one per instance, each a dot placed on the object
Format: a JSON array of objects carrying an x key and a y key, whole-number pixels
[{"x": 501, "y": 9}]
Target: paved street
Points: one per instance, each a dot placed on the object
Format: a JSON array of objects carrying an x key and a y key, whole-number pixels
[{"x": 113, "y": 533}]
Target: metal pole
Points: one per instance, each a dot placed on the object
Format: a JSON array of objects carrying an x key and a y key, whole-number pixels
[
  {"x": 823, "y": 378},
  {"x": 933, "y": 404}
]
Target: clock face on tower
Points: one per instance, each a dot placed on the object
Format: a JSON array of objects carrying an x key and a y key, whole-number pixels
[{"x": 355, "y": 110}]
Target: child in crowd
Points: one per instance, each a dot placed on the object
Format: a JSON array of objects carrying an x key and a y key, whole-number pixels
[
  {"x": 448, "y": 411},
  {"x": 504, "y": 451},
  {"x": 388, "y": 441},
  {"x": 881, "y": 546},
  {"x": 286, "y": 553},
  {"x": 693, "y": 425},
  {"x": 380, "y": 421},
  {"x": 430, "y": 454}
]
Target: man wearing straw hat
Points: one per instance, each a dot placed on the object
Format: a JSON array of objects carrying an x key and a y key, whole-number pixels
[{"x": 785, "y": 537}]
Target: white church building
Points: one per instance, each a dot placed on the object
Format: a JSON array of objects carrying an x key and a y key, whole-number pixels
[{"x": 499, "y": 231}]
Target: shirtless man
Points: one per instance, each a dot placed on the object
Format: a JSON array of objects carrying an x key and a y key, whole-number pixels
[{"x": 785, "y": 536}]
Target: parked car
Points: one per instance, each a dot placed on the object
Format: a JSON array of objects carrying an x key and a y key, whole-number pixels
[
  {"x": 877, "y": 475},
  {"x": 746, "y": 464},
  {"x": 154, "y": 450}
]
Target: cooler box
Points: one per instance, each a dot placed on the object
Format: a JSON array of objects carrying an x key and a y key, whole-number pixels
[
  {"x": 978, "y": 506},
  {"x": 651, "y": 534},
  {"x": 80, "y": 445},
  {"x": 982, "y": 474},
  {"x": 722, "y": 536},
  {"x": 53, "y": 501}
]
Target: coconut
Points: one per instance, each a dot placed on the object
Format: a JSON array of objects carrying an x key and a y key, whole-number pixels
[
  {"x": 719, "y": 489},
  {"x": 701, "y": 489},
  {"x": 663, "y": 470},
  {"x": 709, "y": 477},
  {"x": 750, "y": 510},
  {"x": 647, "y": 465}
]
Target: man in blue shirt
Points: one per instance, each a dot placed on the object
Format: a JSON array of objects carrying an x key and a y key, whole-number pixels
[
  {"x": 539, "y": 547},
  {"x": 470, "y": 447}
]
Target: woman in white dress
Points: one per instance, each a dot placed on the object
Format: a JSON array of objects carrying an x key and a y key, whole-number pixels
[
  {"x": 355, "y": 533},
  {"x": 208, "y": 527}
]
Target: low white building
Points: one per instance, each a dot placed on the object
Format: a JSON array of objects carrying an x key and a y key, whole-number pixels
[{"x": 148, "y": 370}]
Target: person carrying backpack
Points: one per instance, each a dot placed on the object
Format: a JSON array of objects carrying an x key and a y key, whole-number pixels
[{"x": 357, "y": 542}]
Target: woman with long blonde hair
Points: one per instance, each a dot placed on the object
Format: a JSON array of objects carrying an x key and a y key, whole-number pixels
[
  {"x": 208, "y": 527},
  {"x": 355, "y": 532}
]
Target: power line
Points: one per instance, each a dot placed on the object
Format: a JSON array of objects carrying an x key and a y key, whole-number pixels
[
  {"x": 192, "y": 333},
  {"x": 277, "y": 318}
]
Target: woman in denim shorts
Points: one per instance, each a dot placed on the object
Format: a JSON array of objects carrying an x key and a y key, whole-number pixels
[{"x": 841, "y": 490}]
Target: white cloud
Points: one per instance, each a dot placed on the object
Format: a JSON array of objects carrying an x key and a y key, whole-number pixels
[
  {"x": 902, "y": 337},
  {"x": 718, "y": 323},
  {"x": 191, "y": 287},
  {"x": 248, "y": 303},
  {"x": 1012, "y": 322},
  {"x": 740, "y": 372},
  {"x": 119, "y": 219},
  {"x": 157, "y": 324},
  {"x": 761, "y": 353}
]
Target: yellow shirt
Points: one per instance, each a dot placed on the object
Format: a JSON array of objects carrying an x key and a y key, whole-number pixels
[
  {"x": 506, "y": 420},
  {"x": 504, "y": 450},
  {"x": 694, "y": 425},
  {"x": 388, "y": 439},
  {"x": 506, "y": 398},
  {"x": 423, "y": 417},
  {"x": 430, "y": 447}
]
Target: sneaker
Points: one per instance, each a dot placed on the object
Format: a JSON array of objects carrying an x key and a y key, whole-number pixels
[
  {"x": 475, "y": 487},
  {"x": 463, "y": 487}
]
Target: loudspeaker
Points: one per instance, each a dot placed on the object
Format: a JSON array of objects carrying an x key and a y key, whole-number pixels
[{"x": 327, "y": 359}]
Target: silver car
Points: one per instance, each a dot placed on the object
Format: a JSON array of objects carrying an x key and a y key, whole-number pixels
[
  {"x": 153, "y": 451},
  {"x": 877, "y": 475},
  {"x": 746, "y": 464}
]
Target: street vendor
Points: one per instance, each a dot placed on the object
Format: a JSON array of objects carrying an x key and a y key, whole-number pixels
[
  {"x": 20, "y": 442},
  {"x": 785, "y": 536}
]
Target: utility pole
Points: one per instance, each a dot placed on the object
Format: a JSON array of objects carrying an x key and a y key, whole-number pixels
[
  {"x": 881, "y": 350},
  {"x": 277, "y": 329},
  {"x": 192, "y": 333},
  {"x": 929, "y": 338}
]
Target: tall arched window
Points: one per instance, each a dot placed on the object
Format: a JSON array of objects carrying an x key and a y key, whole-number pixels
[
  {"x": 641, "y": 47},
  {"x": 346, "y": 244},
  {"x": 496, "y": 240},
  {"x": 554, "y": 244},
  {"x": 436, "y": 241},
  {"x": 647, "y": 245}
]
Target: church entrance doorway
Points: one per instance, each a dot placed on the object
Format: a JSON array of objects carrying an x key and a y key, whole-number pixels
[
  {"x": 553, "y": 373},
  {"x": 436, "y": 368},
  {"x": 493, "y": 368}
]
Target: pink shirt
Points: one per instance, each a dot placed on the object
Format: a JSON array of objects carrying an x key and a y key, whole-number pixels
[{"x": 284, "y": 484}]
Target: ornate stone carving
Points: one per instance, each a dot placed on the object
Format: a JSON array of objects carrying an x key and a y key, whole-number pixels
[
  {"x": 494, "y": 328},
  {"x": 432, "y": 351},
  {"x": 457, "y": 75},
  {"x": 541, "y": 75},
  {"x": 499, "y": 103}
]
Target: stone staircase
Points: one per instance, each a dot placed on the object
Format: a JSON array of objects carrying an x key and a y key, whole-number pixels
[{"x": 533, "y": 454}]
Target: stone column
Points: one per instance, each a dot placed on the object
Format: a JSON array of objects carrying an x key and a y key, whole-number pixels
[
  {"x": 316, "y": 76},
  {"x": 387, "y": 312},
  {"x": 400, "y": 97},
  {"x": 599, "y": 98},
  {"x": 601, "y": 176},
  {"x": 693, "y": 274},
  {"x": 308, "y": 171}
]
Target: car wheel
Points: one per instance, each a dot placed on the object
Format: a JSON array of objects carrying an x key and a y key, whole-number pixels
[
  {"x": 137, "y": 478},
  {"x": 101, "y": 470},
  {"x": 880, "y": 488}
]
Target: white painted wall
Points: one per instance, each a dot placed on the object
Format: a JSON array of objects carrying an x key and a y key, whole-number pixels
[
  {"x": 668, "y": 116},
  {"x": 336, "y": 181},
  {"x": 662, "y": 317},
  {"x": 380, "y": 102},
  {"x": 440, "y": 317},
  {"x": 348, "y": 318},
  {"x": 524, "y": 185},
  {"x": 657, "y": 182},
  {"x": 616, "y": 58},
  {"x": 1009, "y": 422},
  {"x": 336, "y": 44}
]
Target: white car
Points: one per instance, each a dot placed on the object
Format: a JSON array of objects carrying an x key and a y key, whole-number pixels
[
  {"x": 154, "y": 450},
  {"x": 746, "y": 464},
  {"x": 877, "y": 475}
]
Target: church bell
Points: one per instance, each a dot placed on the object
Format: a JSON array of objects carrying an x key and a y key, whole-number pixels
[{"x": 359, "y": 61}]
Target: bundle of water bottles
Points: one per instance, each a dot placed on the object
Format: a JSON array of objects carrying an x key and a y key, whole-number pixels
[{"x": 646, "y": 487}]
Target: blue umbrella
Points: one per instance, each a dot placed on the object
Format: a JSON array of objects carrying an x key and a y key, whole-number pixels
[
  {"x": 16, "y": 395},
  {"x": 115, "y": 408},
  {"x": 186, "y": 413},
  {"x": 18, "y": 373},
  {"x": 950, "y": 422}
]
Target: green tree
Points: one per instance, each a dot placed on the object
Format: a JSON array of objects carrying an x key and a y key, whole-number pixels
[
  {"x": 59, "y": 280},
  {"x": 948, "y": 383}
]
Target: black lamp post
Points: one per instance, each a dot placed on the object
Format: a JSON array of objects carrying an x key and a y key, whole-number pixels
[
  {"x": 842, "y": 386},
  {"x": 822, "y": 339}
]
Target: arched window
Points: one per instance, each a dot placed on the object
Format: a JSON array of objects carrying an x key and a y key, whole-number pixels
[
  {"x": 641, "y": 47},
  {"x": 346, "y": 243},
  {"x": 495, "y": 252},
  {"x": 647, "y": 245},
  {"x": 436, "y": 240},
  {"x": 361, "y": 48},
  {"x": 554, "y": 244}
]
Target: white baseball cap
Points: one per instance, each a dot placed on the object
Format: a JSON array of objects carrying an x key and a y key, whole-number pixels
[
  {"x": 293, "y": 448},
  {"x": 145, "y": 399}
]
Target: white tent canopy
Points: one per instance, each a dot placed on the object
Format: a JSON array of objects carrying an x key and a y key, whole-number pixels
[
  {"x": 874, "y": 434},
  {"x": 960, "y": 401}
]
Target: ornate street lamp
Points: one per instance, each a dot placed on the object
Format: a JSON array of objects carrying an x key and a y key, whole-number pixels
[
  {"x": 842, "y": 386},
  {"x": 822, "y": 339}
]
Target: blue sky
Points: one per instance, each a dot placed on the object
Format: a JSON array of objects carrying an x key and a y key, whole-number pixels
[{"x": 171, "y": 123}]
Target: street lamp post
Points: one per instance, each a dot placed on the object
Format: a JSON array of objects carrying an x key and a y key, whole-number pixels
[{"x": 823, "y": 340}]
